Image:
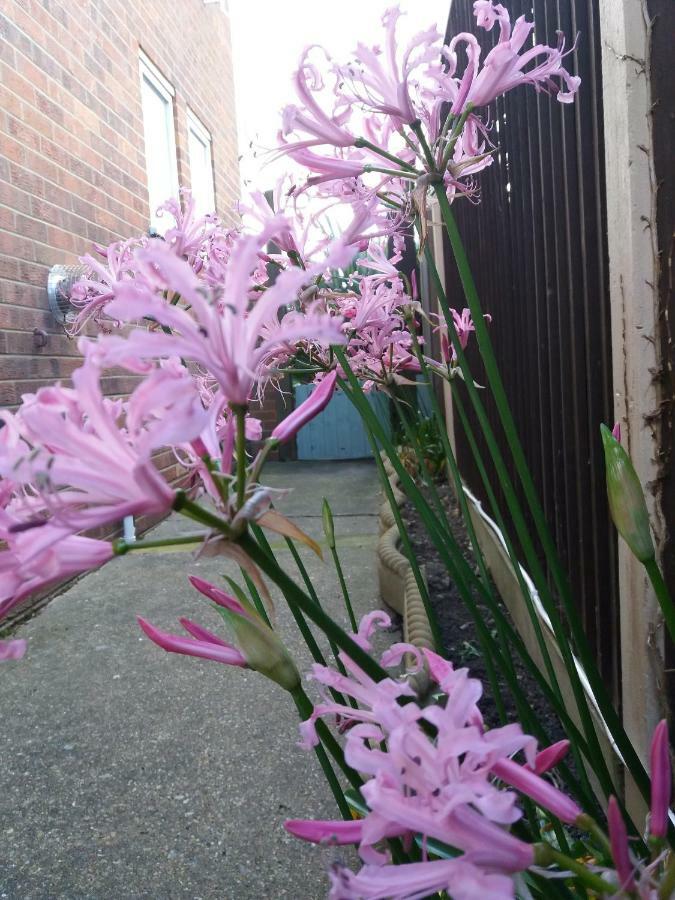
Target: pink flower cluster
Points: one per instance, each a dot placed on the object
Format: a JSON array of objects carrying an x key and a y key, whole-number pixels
[
  {"x": 364, "y": 114},
  {"x": 208, "y": 328},
  {"x": 435, "y": 774},
  {"x": 451, "y": 788}
]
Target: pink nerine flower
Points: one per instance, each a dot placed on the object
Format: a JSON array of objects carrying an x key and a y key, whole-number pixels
[
  {"x": 81, "y": 467},
  {"x": 460, "y": 877},
  {"x": 505, "y": 67},
  {"x": 549, "y": 758},
  {"x": 12, "y": 649},
  {"x": 203, "y": 644},
  {"x": 222, "y": 331},
  {"x": 440, "y": 787},
  {"x": 379, "y": 81},
  {"x": 541, "y": 791},
  {"x": 41, "y": 555},
  {"x": 618, "y": 839}
]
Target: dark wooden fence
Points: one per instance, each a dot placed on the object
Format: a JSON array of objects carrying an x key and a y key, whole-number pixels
[{"x": 537, "y": 244}]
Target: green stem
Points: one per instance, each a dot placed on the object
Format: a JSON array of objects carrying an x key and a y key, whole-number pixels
[
  {"x": 295, "y": 596},
  {"x": 662, "y": 595},
  {"x": 599, "y": 690},
  {"x": 311, "y": 590},
  {"x": 120, "y": 546},
  {"x": 302, "y": 703},
  {"x": 240, "y": 445},
  {"x": 394, "y": 173},
  {"x": 197, "y": 513},
  {"x": 303, "y": 627},
  {"x": 545, "y": 855},
  {"x": 407, "y": 546},
  {"x": 667, "y": 887},
  {"x": 362, "y": 142},
  {"x": 343, "y": 588},
  {"x": 483, "y": 638},
  {"x": 456, "y": 132},
  {"x": 464, "y": 576}
]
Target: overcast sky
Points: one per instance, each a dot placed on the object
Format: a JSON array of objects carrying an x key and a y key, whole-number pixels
[{"x": 268, "y": 37}]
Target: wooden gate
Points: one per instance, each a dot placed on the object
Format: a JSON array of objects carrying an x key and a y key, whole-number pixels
[{"x": 337, "y": 433}]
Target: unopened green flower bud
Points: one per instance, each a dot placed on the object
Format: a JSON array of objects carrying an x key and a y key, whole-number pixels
[
  {"x": 328, "y": 527},
  {"x": 264, "y": 651},
  {"x": 626, "y": 498}
]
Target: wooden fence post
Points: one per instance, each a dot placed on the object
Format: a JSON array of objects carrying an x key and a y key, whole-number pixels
[{"x": 633, "y": 276}]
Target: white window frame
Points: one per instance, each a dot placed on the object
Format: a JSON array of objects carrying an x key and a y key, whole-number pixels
[
  {"x": 149, "y": 72},
  {"x": 223, "y": 4},
  {"x": 203, "y": 135}
]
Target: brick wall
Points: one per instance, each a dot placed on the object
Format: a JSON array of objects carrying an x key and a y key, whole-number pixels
[
  {"x": 72, "y": 164},
  {"x": 72, "y": 152}
]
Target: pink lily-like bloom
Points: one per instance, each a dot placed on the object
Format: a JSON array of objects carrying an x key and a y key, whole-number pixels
[
  {"x": 505, "y": 67},
  {"x": 317, "y": 401},
  {"x": 92, "y": 293},
  {"x": 439, "y": 788},
  {"x": 660, "y": 771},
  {"x": 40, "y": 556},
  {"x": 191, "y": 233},
  {"x": 12, "y": 649},
  {"x": 311, "y": 118},
  {"x": 460, "y": 877},
  {"x": 328, "y": 168},
  {"x": 81, "y": 467},
  {"x": 386, "y": 88},
  {"x": 221, "y": 333}
]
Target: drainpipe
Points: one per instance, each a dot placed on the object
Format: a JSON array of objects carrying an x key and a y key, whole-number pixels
[{"x": 129, "y": 529}]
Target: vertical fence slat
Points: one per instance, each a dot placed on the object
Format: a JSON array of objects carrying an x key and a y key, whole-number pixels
[{"x": 537, "y": 244}]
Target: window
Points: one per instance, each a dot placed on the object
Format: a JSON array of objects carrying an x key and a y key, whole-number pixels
[
  {"x": 201, "y": 166},
  {"x": 160, "y": 140}
]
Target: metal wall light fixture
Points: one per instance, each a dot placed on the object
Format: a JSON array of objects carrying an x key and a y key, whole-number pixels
[{"x": 59, "y": 286}]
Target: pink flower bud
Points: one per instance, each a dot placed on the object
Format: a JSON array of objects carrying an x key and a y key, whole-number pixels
[
  {"x": 618, "y": 840},
  {"x": 219, "y": 597},
  {"x": 445, "y": 349},
  {"x": 317, "y": 831},
  {"x": 204, "y": 649},
  {"x": 616, "y": 431},
  {"x": 549, "y": 758},
  {"x": 542, "y": 792},
  {"x": 659, "y": 767},
  {"x": 308, "y": 409}
]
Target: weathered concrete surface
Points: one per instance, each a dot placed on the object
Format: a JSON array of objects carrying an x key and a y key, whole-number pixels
[{"x": 127, "y": 772}]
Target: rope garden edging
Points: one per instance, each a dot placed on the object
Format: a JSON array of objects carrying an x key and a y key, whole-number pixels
[{"x": 398, "y": 588}]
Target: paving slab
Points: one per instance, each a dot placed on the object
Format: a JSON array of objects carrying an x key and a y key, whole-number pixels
[{"x": 128, "y": 772}]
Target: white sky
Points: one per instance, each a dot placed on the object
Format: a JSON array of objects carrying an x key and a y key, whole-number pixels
[{"x": 267, "y": 39}]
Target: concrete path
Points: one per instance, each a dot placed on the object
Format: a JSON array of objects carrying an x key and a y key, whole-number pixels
[{"x": 127, "y": 772}]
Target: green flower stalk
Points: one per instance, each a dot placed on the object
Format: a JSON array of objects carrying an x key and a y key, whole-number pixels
[{"x": 328, "y": 526}]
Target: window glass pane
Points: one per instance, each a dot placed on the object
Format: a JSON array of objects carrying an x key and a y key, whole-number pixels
[
  {"x": 160, "y": 150},
  {"x": 201, "y": 168}
]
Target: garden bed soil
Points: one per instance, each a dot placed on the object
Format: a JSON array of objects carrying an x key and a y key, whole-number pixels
[{"x": 460, "y": 640}]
